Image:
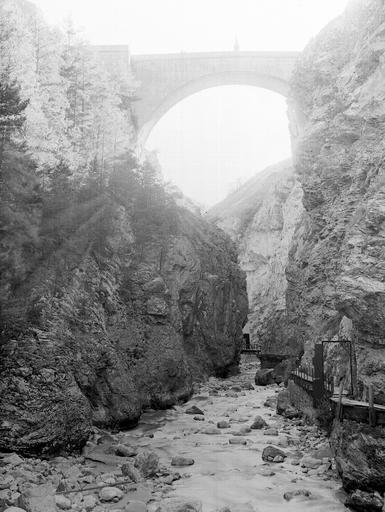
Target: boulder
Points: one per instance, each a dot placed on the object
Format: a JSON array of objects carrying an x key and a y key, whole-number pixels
[
  {"x": 13, "y": 460},
  {"x": 237, "y": 440},
  {"x": 178, "y": 505},
  {"x": 194, "y": 410},
  {"x": 136, "y": 506},
  {"x": 258, "y": 423},
  {"x": 131, "y": 472},
  {"x": 182, "y": 461},
  {"x": 89, "y": 502},
  {"x": 272, "y": 454},
  {"x": 223, "y": 424},
  {"x": 364, "y": 501},
  {"x": 297, "y": 493},
  {"x": 264, "y": 377},
  {"x": 39, "y": 499},
  {"x": 110, "y": 494},
  {"x": 283, "y": 401},
  {"x": 270, "y": 432},
  {"x": 123, "y": 450},
  {"x": 62, "y": 502},
  {"x": 358, "y": 450},
  {"x": 147, "y": 463}
]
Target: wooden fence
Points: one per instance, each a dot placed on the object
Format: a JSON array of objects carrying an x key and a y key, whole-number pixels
[{"x": 320, "y": 386}]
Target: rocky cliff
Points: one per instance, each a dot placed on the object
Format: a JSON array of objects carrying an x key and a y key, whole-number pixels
[
  {"x": 261, "y": 217},
  {"x": 106, "y": 320},
  {"x": 336, "y": 273}
]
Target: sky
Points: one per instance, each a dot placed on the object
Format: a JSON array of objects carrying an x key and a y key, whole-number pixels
[{"x": 215, "y": 139}]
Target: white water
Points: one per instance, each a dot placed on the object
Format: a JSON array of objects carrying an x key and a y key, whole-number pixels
[{"x": 228, "y": 475}]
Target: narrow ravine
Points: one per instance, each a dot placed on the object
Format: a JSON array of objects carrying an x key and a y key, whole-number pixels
[
  {"x": 234, "y": 475},
  {"x": 151, "y": 465}
]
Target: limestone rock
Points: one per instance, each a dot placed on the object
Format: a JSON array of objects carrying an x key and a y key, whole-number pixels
[
  {"x": 297, "y": 493},
  {"x": 364, "y": 501},
  {"x": 357, "y": 450},
  {"x": 182, "y": 461},
  {"x": 89, "y": 502},
  {"x": 147, "y": 463},
  {"x": 116, "y": 340},
  {"x": 125, "y": 451},
  {"x": 264, "y": 377},
  {"x": 258, "y": 423},
  {"x": 62, "y": 502},
  {"x": 237, "y": 440},
  {"x": 179, "y": 505},
  {"x": 131, "y": 472},
  {"x": 262, "y": 217},
  {"x": 270, "y": 453},
  {"x": 136, "y": 506},
  {"x": 110, "y": 494},
  {"x": 193, "y": 410}
]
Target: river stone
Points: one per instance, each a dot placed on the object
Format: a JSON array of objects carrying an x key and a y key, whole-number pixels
[
  {"x": 258, "y": 423},
  {"x": 237, "y": 440},
  {"x": 89, "y": 502},
  {"x": 365, "y": 501},
  {"x": 6, "y": 481},
  {"x": 136, "y": 506},
  {"x": 210, "y": 431},
  {"x": 179, "y": 505},
  {"x": 39, "y": 498},
  {"x": 110, "y": 494},
  {"x": 311, "y": 462},
  {"x": 124, "y": 450},
  {"x": 182, "y": 461},
  {"x": 147, "y": 462},
  {"x": 270, "y": 432},
  {"x": 13, "y": 459},
  {"x": 297, "y": 493},
  {"x": 131, "y": 472},
  {"x": 194, "y": 410},
  {"x": 62, "y": 502},
  {"x": 264, "y": 377},
  {"x": 271, "y": 452}
]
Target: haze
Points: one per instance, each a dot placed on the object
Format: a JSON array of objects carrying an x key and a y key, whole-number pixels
[{"x": 215, "y": 139}]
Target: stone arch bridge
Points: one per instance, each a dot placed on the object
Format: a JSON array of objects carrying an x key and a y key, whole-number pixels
[{"x": 166, "y": 79}]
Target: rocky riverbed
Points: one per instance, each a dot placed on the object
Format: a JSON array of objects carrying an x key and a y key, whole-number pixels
[{"x": 226, "y": 449}]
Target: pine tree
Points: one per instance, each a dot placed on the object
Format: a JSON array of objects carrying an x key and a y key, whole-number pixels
[{"x": 12, "y": 112}]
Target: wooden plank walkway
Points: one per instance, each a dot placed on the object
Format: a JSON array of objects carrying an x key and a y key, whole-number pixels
[{"x": 357, "y": 403}]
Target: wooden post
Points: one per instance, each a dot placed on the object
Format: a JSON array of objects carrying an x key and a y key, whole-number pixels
[
  {"x": 339, "y": 412},
  {"x": 318, "y": 383},
  {"x": 372, "y": 412}
]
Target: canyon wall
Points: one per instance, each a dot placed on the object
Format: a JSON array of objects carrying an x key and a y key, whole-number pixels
[
  {"x": 336, "y": 272},
  {"x": 105, "y": 320},
  {"x": 261, "y": 216}
]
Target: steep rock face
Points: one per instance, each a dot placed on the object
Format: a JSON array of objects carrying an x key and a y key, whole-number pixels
[
  {"x": 336, "y": 273},
  {"x": 262, "y": 216},
  {"x": 105, "y": 326}
]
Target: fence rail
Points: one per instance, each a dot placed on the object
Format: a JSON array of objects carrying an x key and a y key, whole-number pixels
[{"x": 321, "y": 385}]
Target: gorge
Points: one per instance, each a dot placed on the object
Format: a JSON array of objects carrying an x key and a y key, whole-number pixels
[{"x": 119, "y": 302}]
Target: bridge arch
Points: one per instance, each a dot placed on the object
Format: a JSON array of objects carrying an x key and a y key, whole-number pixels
[{"x": 271, "y": 83}]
